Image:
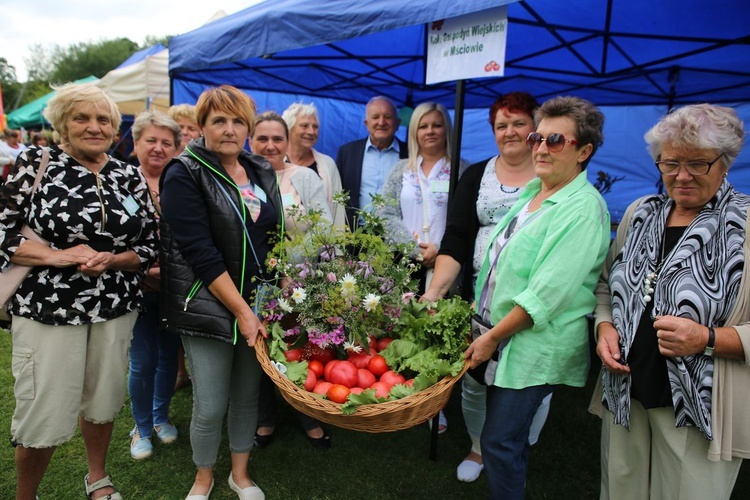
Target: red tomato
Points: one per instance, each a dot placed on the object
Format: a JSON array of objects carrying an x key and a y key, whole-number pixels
[
  {"x": 316, "y": 367},
  {"x": 356, "y": 390},
  {"x": 294, "y": 354},
  {"x": 327, "y": 368},
  {"x": 383, "y": 343},
  {"x": 372, "y": 343},
  {"x": 365, "y": 378},
  {"x": 377, "y": 365},
  {"x": 343, "y": 373},
  {"x": 392, "y": 378},
  {"x": 381, "y": 389},
  {"x": 338, "y": 393},
  {"x": 322, "y": 388},
  {"x": 359, "y": 359},
  {"x": 409, "y": 383},
  {"x": 311, "y": 380},
  {"x": 318, "y": 353}
]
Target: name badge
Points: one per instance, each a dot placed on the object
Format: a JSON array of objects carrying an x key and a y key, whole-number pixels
[
  {"x": 439, "y": 186},
  {"x": 130, "y": 205},
  {"x": 260, "y": 193},
  {"x": 287, "y": 199}
]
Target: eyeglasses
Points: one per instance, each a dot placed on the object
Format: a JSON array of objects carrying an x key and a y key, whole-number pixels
[
  {"x": 672, "y": 167},
  {"x": 555, "y": 142}
]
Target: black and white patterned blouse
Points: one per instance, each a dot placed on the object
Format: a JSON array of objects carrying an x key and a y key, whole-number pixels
[{"x": 110, "y": 212}]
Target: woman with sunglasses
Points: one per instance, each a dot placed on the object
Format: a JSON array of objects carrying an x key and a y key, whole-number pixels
[
  {"x": 672, "y": 321},
  {"x": 483, "y": 196},
  {"x": 545, "y": 255}
]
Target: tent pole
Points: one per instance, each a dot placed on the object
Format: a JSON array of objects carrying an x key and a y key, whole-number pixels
[{"x": 458, "y": 125}]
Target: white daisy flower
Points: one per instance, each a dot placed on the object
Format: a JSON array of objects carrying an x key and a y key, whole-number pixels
[
  {"x": 348, "y": 284},
  {"x": 371, "y": 301},
  {"x": 299, "y": 295},
  {"x": 285, "y": 306}
]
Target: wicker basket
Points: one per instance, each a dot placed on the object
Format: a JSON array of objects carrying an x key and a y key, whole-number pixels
[{"x": 382, "y": 417}]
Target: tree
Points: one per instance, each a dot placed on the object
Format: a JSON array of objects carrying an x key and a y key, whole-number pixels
[
  {"x": 151, "y": 40},
  {"x": 9, "y": 85},
  {"x": 40, "y": 62},
  {"x": 83, "y": 59}
]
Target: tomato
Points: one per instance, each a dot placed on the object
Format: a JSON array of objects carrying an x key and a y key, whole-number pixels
[
  {"x": 356, "y": 390},
  {"x": 313, "y": 351},
  {"x": 311, "y": 380},
  {"x": 344, "y": 373},
  {"x": 377, "y": 365},
  {"x": 316, "y": 367},
  {"x": 338, "y": 393},
  {"x": 392, "y": 378},
  {"x": 372, "y": 342},
  {"x": 359, "y": 359},
  {"x": 322, "y": 388},
  {"x": 294, "y": 354},
  {"x": 327, "y": 368},
  {"x": 383, "y": 343},
  {"x": 381, "y": 389},
  {"x": 409, "y": 383},
  {"x": 365, "y": 378}
]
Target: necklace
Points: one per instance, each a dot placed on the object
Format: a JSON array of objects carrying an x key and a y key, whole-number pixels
[
  {"x": 508, "y": 191},
  {"x": 648, "y": 283}
]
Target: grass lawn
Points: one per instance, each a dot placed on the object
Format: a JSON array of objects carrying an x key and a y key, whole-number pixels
[{"x": 564, "y": 465}]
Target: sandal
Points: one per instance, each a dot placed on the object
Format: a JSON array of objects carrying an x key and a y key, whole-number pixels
[
  {"x": 104, "y": 482},
  {"x": 442, "y": 423}
]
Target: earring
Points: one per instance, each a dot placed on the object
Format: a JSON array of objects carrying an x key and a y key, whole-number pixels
[{"x": 725, "y": 175}]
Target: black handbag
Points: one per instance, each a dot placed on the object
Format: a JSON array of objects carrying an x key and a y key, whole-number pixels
[{"x": 485, "y": 372}]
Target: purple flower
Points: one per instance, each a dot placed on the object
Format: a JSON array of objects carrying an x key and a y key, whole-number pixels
[{"x": 331, "y": 277}]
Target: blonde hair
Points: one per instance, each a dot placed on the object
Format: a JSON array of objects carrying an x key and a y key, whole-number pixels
[
  {"x": 180, "y": 111},
  {"x": 419, "y": 112},
  {"x": 72, "y": 95}
]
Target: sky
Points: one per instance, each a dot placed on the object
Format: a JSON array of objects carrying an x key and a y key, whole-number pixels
[{"x": 65, "y": 22}]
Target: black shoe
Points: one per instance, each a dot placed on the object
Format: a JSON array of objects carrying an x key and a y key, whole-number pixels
[
  {"x": 263, "y": 441},
  {"x": 322, "y": 443}
]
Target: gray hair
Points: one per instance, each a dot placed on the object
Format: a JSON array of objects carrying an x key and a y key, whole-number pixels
[
  {"x": 296, "y": 110},
  {"x": 382, "y": 98},
  {"x": 72, "y": 95},
  {"x": 156, "y": 119},
  {"x": 699, "y": 126},
  {"x": 589, "y": 121},
  {"x": 419, "y": 112}
]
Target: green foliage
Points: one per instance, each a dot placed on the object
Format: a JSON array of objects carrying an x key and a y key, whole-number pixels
[{"x": 83, "y": 59}]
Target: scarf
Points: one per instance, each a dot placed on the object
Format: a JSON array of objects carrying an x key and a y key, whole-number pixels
[{"x": 699, "y": 280}]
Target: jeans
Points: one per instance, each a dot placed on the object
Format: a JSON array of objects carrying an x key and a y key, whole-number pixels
[
  {"x": 505, "y": 438},
  {"x": 153, "y": 368},
  {"x": 223, "y": 375}
]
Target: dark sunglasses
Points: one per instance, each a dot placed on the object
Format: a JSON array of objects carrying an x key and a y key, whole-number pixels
[{"x": 555, "y": 142}]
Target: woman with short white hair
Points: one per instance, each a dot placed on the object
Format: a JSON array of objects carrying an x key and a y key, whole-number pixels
[{"x": 304, "y": 128}]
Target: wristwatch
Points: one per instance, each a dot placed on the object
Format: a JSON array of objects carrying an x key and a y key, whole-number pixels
[{"x": 709, "y": 349}]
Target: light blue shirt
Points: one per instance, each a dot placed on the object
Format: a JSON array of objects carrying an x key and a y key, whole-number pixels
[{"x": 376, "y": 165}]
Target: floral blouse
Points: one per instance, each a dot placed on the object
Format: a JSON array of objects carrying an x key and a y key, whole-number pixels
[{"x": 110, "y": 212}]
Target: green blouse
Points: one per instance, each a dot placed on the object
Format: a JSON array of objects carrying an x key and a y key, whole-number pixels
[{"x": 550, "y": 268}]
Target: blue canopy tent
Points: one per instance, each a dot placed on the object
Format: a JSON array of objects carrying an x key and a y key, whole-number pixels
[{"x": 635, "y": 58}]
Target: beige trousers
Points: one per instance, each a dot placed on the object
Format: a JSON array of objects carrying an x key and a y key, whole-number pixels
[{"x": 658, "y": 461}]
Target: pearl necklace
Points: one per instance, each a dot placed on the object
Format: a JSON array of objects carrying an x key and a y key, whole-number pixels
[{"x": 648, "y": 288}]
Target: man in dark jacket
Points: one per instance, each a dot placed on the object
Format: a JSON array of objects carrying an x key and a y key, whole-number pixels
[{"x": 364, "y": 164}]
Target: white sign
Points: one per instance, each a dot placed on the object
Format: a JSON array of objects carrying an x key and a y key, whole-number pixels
[{"x": 470, "y": 46}]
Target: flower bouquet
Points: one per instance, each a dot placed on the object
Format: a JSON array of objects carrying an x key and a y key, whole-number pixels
[{"x": 347, "y": 337}]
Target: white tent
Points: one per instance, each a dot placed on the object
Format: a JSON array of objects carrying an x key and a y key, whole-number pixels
[{"x": 141, "y": 85}]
